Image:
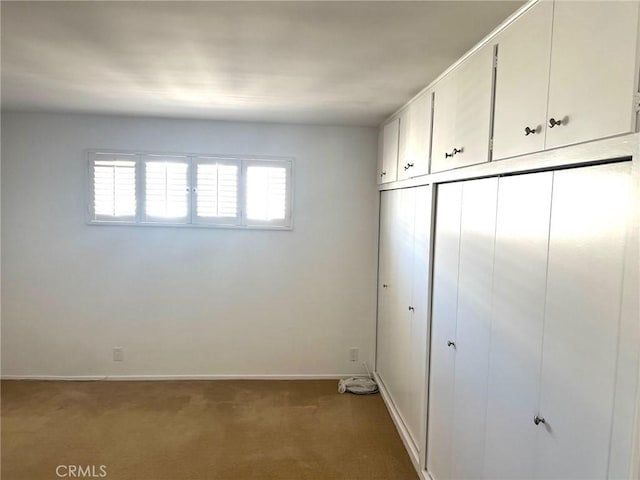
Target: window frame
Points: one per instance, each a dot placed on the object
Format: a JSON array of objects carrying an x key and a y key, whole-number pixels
[{"x": 192, "y": 159}]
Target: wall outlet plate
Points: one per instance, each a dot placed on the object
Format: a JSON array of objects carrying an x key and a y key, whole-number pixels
[
  {"x": 118, "y": 354},
  {"x": 353, "y": 354}
]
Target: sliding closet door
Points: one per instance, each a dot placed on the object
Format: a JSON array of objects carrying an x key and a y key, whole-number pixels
[
  {"x": 396, "y": 362},
  {"x": 417, "y": 341},
  {"x": 519, "y": 279},
  {"x": 443, "y": 329},
  {"x": 477, "y": 236},
  {"x": 586, "y": 248},
  {"x": 390, "y": 204}
]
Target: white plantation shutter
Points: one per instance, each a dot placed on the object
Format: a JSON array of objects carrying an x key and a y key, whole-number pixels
[
  {"x": 267, "y": 191},
  {"x": 114, "y": 188},
  {"x": 167, "y": 190},
  {"x": 216, "y": 191},
  {"x": 135, "y": 188}
]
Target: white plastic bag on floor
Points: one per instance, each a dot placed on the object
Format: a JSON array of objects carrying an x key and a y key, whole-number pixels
[{"x": 358, "y": 385}]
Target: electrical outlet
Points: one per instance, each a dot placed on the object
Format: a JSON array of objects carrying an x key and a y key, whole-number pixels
[
  {"x": 353, "y": 354},
  {"x": 118, "y": 354}
]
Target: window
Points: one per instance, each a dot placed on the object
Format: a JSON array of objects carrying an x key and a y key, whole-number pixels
[{"x": 131, "y": 188}]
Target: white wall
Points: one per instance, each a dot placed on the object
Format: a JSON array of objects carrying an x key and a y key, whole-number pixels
[{"x": 185, "y": 301}]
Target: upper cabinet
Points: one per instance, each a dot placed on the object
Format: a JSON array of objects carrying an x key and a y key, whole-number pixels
[
  {"x": 561, "y": 73},
  {"x": 566, "y": 74},
  {"x": 415, "y": 138},
  {"x": 593, "y": 71},
  {"x": 522, "y": 79},
  {"x": 388, "y": 152},
  {"x": 462, "y": 113}
]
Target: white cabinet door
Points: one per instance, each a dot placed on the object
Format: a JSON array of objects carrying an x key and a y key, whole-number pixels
[
  {"x": 522, "y": 80},
  {"x": 462, "y": 114},
  {"x": 474, "y": 87},
  {"x": 388, "y": 161},
  {"x": 593, "y": 70},
  {"x": 590, "y": 208},
  {"x": 415, "y": 138},
  {"x": 518, "y": 298},
  {"x": 444, "y": 124},
  {"x": 477, "y": 235},
  {"x": 443, "y": 329}
]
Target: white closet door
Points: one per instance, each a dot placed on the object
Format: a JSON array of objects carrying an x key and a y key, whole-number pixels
[
  {"x": 418, "y": 335},
  {"x": 586, "y": 251},
  {"x": 519, "y": 279},
  {"x": 394, "y": 330},
  {"x": 522, "y": 81},
  {"x": 477, "y": 235},
  {"x": 443, "y": 329},
  {"x": 390, "y": 204},
  {"x": 593, "y": 70}
]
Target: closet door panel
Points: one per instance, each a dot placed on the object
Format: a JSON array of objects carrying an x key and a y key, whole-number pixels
[
  {"x": 400, "y": 383},
  {"x": 443, "y": 329},
  {"x": 586, "y": 252},
  {"x": 519, "y": 280},
  {"x": 522, "y": 81},
  {"x": 477, "y": 235},
  {"x": 388, "y": 284},
  {"x": 418, "y": 336},
  {"x": 593, "y": 70}
]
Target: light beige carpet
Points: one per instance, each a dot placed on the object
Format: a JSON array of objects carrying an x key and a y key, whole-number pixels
[{"x": 200, "y": 430}]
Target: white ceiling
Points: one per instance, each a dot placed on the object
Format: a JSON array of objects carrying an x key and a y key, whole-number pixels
[{"x": 304, "y": 62}]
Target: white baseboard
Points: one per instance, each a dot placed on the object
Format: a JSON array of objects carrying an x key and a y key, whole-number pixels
[
  {"x": 80, "y": 378},
  {"x": 409, "y": 444}
]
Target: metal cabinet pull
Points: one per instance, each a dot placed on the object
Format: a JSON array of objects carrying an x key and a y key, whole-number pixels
[
  {"x": 529, "y": 131},
  {"x": 451, "y": 344},
  {"x": 408, "y": 166},
  {"x": 538, "y": 420},
  {"x": 382, "y": 174},
  {"x": 553, "y": 122},
  {"x": 385, "y": 285},
  {"x": 411, "y": 309},
  {"x": 448, "y": 155},
  {"x": 458, "y": 150}
]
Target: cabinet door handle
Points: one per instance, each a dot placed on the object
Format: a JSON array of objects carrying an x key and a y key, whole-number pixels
[
  {"x": 530, "y": 131},
  {"x": 458, "y": 150},
  {"x": 448, "y": 155},
  {"x": 451, "y": 344},
  {"x": 411, "y": 309},
  {"x": 408, "y": 166},
  {"x": 382, "y": 174},
  {"x": 538, "y": 420},
  {"x": 385, "y": 285},
  {"x": 553, "y": 122}
]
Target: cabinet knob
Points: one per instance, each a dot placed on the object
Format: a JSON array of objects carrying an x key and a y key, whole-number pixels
[
  {"x": 553, "y": 122},
  {"x": 385, "y": 285},
  {"x": 451, "y": 344},
  {"x": 411, "y": 309},
  {"x": 529, "y": 131},
  {"x": 538, "y": 420},
  {"x": 457, "y": 150}
]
